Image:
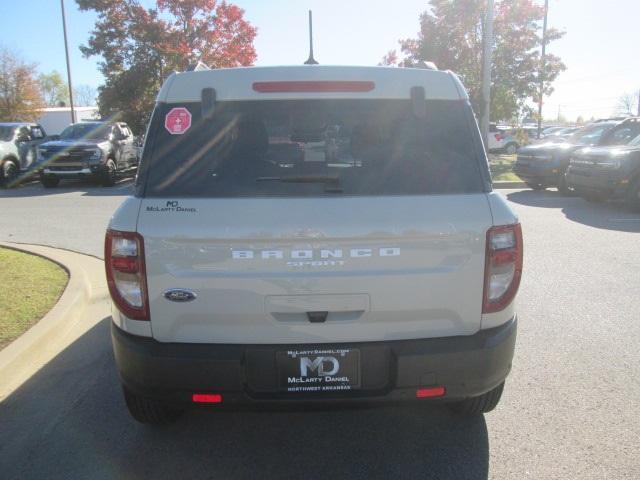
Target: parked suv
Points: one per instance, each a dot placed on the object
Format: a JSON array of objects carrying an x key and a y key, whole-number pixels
[
  {"x": 312, "y": 234},
  {"x": 544, "y": 164},
  {"x": 500, "y": 140},
  {"x": 99, "y": 150},
  {"x": 18, "y": 144},
  {"x": 597, "y": 173}
]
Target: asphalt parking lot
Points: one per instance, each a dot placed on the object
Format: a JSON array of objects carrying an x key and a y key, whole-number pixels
[{"x": 570, "y": 408}]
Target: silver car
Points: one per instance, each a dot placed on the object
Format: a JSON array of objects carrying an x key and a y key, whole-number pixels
[{"x": 18, "y": 149}]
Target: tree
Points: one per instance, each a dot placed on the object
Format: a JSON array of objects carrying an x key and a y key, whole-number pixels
[
  {"x": 20, "y": 98},
  {"x": 451, "y": 33},
  {"x": 627, "y": 104},
  {"x": 140, "y": 47},
  {"x": 390, "y": 59},
  {"x": 84, "y": 96},
  {"x": 53, "y": 88}
]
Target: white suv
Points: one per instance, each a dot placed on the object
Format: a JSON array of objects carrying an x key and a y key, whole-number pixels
[
  {"x": 502, "y": 141},
  {"x": 314, "y": 234}
]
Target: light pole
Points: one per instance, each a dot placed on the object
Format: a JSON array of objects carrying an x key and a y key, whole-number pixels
[
  {"x": 542, "y": 65},
  {"x": 66, "y": 52},
  {"x": 486, "y": 73}
]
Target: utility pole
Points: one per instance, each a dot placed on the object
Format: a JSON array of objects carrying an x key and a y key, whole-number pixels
[
  {"x": 66, "y": 51},
  {"x": 486, "y": 73},
  {"x": 639, "y": 103},
  {"x": 542, "y": 65}
]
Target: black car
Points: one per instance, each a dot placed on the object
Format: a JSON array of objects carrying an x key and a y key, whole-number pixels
[
  {"x": 100, "y": 150},
  {"x": 544, "y": 164},
  {"x": 597, "y": 173}
]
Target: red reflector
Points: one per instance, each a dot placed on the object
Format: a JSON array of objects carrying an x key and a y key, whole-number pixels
[
  {"x": 430, "y": 392},
  {"x": 207, "y": 398},
  {"x": 125, "y": 264},
  {"x": 313, "y": 86},
  {"x": 504, "y": 257}
]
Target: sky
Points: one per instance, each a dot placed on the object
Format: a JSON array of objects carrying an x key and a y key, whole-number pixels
[{"x": 599, "y": 48}]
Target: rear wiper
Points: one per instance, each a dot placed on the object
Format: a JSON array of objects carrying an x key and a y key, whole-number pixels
[{"x": 302, "y": 179}]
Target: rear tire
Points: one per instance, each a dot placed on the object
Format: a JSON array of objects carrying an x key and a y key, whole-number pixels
[
  {"x": 108, "y": 177},
  {"x": 9, "y": 172},
  {"x": 535, "y": 186},
  {"x": 49, "y": 181},
  {"x": 563, "y": 188},
  {"x": 511, "y": 149},
  {"x": 149, "y": 411},
  {"x": 478, "y": 405}
]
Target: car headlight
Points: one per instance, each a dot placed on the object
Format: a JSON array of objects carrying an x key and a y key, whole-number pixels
[
  {"x": 96, "y": 155},
  {"x": 613, "y": 162},
  {"x": 42, "y": 152},
  {"x": 616, "y": 159}
]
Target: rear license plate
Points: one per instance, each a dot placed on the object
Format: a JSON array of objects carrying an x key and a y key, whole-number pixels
[{"x": 319, "y": 370}]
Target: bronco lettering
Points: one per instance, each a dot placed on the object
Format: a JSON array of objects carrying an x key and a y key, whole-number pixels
[{"x": 308, "y": 254}]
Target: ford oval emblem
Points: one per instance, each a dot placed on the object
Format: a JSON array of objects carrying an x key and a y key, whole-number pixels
[{"x": 179, "y": 295}]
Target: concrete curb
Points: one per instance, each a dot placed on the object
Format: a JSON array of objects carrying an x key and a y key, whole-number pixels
[
  {"x": 26, "y": 354},
  {"x": 499, "y": 185}
]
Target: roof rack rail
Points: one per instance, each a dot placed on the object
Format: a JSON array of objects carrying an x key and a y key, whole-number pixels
[
  {"x": 197, "y": 67},
  {"x": 426, "y": 65}
]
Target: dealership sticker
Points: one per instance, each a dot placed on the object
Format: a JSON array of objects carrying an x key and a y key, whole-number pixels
[{"x": 177, "y": 121}]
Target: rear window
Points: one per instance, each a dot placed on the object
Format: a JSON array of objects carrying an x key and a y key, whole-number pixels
[
  {"x": 313, "y": 148},
  {"x": 88, "y": 131},
  {"x": 622, "y": 134},
  {"x": 591, "y": 134}
]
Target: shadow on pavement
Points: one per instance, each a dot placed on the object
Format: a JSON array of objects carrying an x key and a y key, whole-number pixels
[
  {"x": 123, "y": 186},
  {"x": 606, "y": 215},
  {"x": 69, "y": 421}
]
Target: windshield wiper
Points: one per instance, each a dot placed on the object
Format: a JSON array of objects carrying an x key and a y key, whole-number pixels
[{"x": 302, "y": 179}]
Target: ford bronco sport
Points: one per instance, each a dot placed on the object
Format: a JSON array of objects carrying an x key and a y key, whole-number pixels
[
  {"x": 597, "y": 173},
  {"x": 312, "y": 234}
]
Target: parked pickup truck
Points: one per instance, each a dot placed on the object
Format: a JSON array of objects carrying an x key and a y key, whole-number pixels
[
  {"x": 312, "y": 234},
  {"x": 99, "y": 150},
  {"x": 18, "y": 149}
]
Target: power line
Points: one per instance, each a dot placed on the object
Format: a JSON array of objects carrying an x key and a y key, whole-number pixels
[{"x": 594, "y": 77}]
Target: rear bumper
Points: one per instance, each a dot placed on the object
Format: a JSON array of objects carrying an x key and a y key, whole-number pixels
[{"x": 466, "y": 366}]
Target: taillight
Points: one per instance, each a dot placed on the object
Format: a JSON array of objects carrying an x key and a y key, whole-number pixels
[
  {"x": 126, "y": 275},
  {"x": 503, "y": 267}
]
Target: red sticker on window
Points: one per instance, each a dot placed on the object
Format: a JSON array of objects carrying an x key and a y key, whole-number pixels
[{"x": 177, "y": 121}]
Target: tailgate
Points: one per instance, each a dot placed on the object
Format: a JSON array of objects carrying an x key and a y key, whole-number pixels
[{"x": 313, "y": 270}]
